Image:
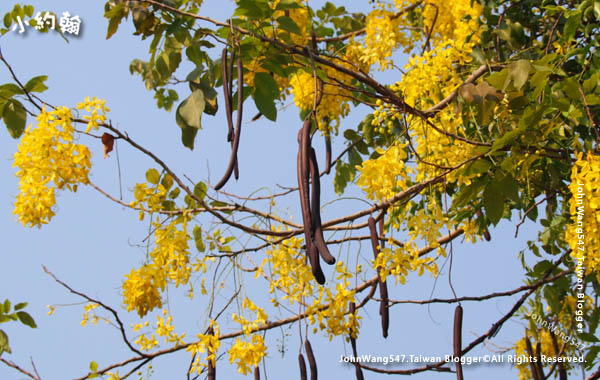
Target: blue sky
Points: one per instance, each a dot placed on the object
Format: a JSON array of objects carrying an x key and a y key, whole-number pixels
[{"x": 91, "y": 242}]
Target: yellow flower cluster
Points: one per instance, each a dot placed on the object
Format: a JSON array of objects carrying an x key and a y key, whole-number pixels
[
  {"x": 165, "y": 328},
  {"x": 335, "y": 319},
  {"x": 48, "y": 159},
  {"x": 249, "y": 326},
  {"x": 208, "y": 343},
  {"x": 545, "y": 339},
  {"x": 383, "y": 176},
  {"x": 334, "y": 102},
  {"x": 169, "y": 262},
  {"x": 86, "y": 315},
  {"x": 289, "y": 270},
  {"x": 146, "y": 343},
  {"x": 584, "y": 207},
  {"x": 383, "y": 35},
  {"x": 148, "y": 199},
  {"x": 98, "y": 110},
  {"x": 248, "y": 355}
]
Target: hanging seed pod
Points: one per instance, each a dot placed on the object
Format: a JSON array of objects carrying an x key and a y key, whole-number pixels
[
  {"x": 327, "y": 153},
  {"x": 256, "y": 373},
  {"x": 226, "y": 75},
  {"x": 302, "y": 364},
  {"x": 311, "y": 360},
  {"x": 383, "y": 293},
  {"x": 238, "y": 129},
  {"x": 458, "y": 316},
  {"x": 302, "y": 171},
  {"x": 317, "y": 229},
  {"x": 562, "y": 372},
  {"x": 532, "y": 366}
]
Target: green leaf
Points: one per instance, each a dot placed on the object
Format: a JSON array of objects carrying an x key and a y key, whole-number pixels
[
  {"x": 93, "y": 366},
  {"x": 26, "y": 319},
  {"x": 265, "y": 83},
  {"x": 588, "y": 337},
  {"x": 354, "y": 158},
  {"x": 211, "y": 105},
  {"x": 188, "y": 135},
  {"x": 20, "y": 306},
  {"x": 342, "y": 177},
  {"x": 508, "y": 138},
  {"x": 167, "y": 181},
  {"x": 573, "y": 22},
  {"x": 15, "y": 118},
  {"x": 493, "y": 203},
  {"x": 190, "y": 110},
  {"x": 153, "y": 176},
  {"x": 36, "y": 84},
  {"x": 289, "y": 25},
  {"x": 6, "y": 306},
  {"x": 518, "y": 74},
  {"x": 115, "y": 14},
  {"x": 8, "y": 90},
  {"x": 198, "y": 239},
  {"x": 200, "y": 190},
  {"x": 265, "y": 104},
  {"x": 509, "y": 187},
  {"x": 467, "y": 194},
  {"x": 4, "y": 347}
]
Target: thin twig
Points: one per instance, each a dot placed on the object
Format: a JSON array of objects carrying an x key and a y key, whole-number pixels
[{"x": 104, "y": 306}]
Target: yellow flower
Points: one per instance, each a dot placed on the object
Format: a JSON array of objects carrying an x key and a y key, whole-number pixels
[
  {"x": 48, "y": 160},
  {"x": 247, "y": 355}
]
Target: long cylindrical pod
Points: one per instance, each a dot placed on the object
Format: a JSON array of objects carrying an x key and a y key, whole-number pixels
[
  {"x": 384, "y": 311},
  {"x": 226, "y": 74},
  {"x": 458, "y": 317},
  {"x": 302, "y": 364},
  {"x": 256, "y": 373},
  {"x": 532, "y": 366},
  {"x": 357, "y": 369},
  {"x": 240, "y": 106},
  {"x": 538, "y": 363},
  {"x": 311, "y": 360},
  {"x": 315, "y": 209},
  {"x": 302, "y": 171},
  {"x": 327, "y": 153},
  {"x": 238, "y": 129},
  {"x": 315, "y": 263},
  {"x": 562, "y": 372}
]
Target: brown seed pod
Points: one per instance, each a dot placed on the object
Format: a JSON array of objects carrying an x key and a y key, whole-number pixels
[
  {"x": 302, "y": 364},
  {"x": 562, "y": 372},
  {"x": 256, "y": 373},
  {"x": 316, "y": 227},
  {"x": 458, "y": 316},
  {"x": 532, "y": 367},
  {"x": 328, "y": 153},
  {"x": 302, "y": 171},
  {"x": 238, "y": 129},
  {"x": 226, "y": 75},
  {"x": 311, "y": 360},
  {"x": 384, "y": 311},
  {"x": 315, "y": 263}
]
